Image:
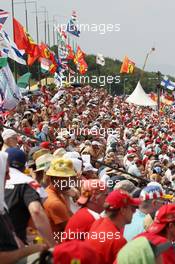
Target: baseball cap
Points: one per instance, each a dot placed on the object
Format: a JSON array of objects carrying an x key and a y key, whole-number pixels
[
  {"x": 119, "y": 198},
  {"x": 75, "y": 252},
  {"x": 151, "y": 192},
  {"x": 165, "y": 215},
  {"x": 16, "y": 158}
]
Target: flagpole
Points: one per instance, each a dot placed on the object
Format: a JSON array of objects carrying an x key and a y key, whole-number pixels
[
  {"x": 15, "y": 64},
  {"x": 146, "y": 59}
]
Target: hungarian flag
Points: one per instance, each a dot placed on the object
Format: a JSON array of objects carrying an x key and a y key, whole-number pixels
[
  {"x": 127, "y": 66},
  {"x": 25, "y": 42},
  {"x": 46, "y": 53}
]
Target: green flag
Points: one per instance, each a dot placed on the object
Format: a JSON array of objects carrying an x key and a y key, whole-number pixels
[
  {"x": 3, "y": 62},
  {"x": 23, "y": 81}
]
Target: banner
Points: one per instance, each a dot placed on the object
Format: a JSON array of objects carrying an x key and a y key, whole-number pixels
[{"x": 9, "y": 92}]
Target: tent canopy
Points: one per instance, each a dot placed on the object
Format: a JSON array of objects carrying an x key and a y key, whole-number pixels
[{"x": 139, "y": 97}]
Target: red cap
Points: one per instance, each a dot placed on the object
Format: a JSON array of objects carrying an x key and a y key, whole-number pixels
[
  {"x": 165, "y": 215},
  {"x": 75, "y": 252},
  {"x": 119, "y": 198},
  {"x": 45, "y": 145}
]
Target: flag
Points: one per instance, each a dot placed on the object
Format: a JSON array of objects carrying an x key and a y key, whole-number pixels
[
  {"x": 8, "y": 47},
  {"x": 127, "y": 66},
  {"x": 61, "y": 36},
  {"x": 72, "y": 28},
  {"x": 100, "y": 59},
  {"x": 46, "y": 53},
  {"x": 63, "y": 52},
  {"x": 168, "y": 84},
  {"x": 45, "y": 65},
  {"x": 71, "y": 54},
  {"x": 34, "y": 56},
  {"x": 3, "y": 62},
  {"x": 3, "y": 17},
  {"x": 3, "y": 59},
  {"x": 79, "y": 55},
  {"x": 25, "y": 42},
  {"x": 74, "y": 16},
  {"x": 10, "y": 94},
  {"x": 23, "y": 81},
  {"x": 82, "y": 66}
]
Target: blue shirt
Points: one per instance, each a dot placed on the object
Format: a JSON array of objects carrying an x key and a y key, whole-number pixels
[{"x": 136, "y": 227}]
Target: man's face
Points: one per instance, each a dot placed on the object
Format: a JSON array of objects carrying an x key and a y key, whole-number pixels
[
  {"x": 12, "y": 141},
  {"x": 128, "y": 213},
  {"x": 64, "y": 183}
]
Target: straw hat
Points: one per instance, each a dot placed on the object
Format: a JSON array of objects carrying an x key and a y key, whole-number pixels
[
  {"x": 43, "y": 162},
  {"x": 61, "y": 167},
  {"x": 39, "y": 153}
]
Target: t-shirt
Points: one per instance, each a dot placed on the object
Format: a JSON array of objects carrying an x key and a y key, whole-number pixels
[
  {"x": 168, "y": 256},
  {"x": 18, "y": 199},
  {"x": 56, "y": 208},
  {"x": 106, "y": 239},
  {"x": 80, "y": 223},
  {"x": 136, "y": 226},
  {"x": 7, "y": 239}
]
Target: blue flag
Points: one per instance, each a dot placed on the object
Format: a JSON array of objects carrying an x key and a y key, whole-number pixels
[
  {"x": 72, "y": 28},
  {"x": 168, "y": 84}
]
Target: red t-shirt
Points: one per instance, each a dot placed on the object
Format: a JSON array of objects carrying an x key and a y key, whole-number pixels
[
  {"x": 106, "y": 239},
  {"x": 169, "y": 255},
  {"x": 79, "y": 224}
]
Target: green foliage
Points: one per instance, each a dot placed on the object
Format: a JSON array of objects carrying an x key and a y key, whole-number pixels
[{"x": 126, "y": 83}]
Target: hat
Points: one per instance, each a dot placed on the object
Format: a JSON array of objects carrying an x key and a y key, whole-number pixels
[
  {"x": 43, "y": 162},
  {"x": 16, "y": 158},
  {"x": 39, "y": 153},
  {"x": 45, "y": 145},
  {"x": 8, "y": 133},
  {"x": 151, "y": 192},
  {"x": 165, "y": 215},
  {"x": 96, "y": 143},
  {"x": 89, "y": 188},
  {"x": 75, "y": 252},
  {"x": 59, "y": 152},
  {"x": 125, "y": 185},
  {"x": 119, "y": 198},
  {"x": 89, "y": 167},
  {"x": 61, "y": 167}
]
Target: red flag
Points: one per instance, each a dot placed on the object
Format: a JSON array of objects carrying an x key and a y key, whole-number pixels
[
  {"x": 82, "y": 66},
  {"x": 71, "y": 54},
  {"x": 79, "y": 55},
  {"x": 20, "y": 36},
  {"x": 25, "y": 42},
  {"x": 48, "y": 54}
]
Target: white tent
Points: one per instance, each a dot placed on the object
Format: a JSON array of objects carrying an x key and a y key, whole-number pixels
[{"x": 139, "y": 97}]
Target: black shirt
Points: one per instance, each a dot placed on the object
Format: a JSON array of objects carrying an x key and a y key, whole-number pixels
[
  {"x": 7, "y": 240},
  {"x": 18, "y": 200}
]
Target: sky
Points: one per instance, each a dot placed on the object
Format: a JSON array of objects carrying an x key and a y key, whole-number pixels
[{"x": 142, "y": 25}]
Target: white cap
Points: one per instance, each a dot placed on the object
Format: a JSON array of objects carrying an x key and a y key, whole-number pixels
[
  {"x": 8, "y": 133},
  {"x": 89, "y": 167},
  {"x": 59, "y": 152}
]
